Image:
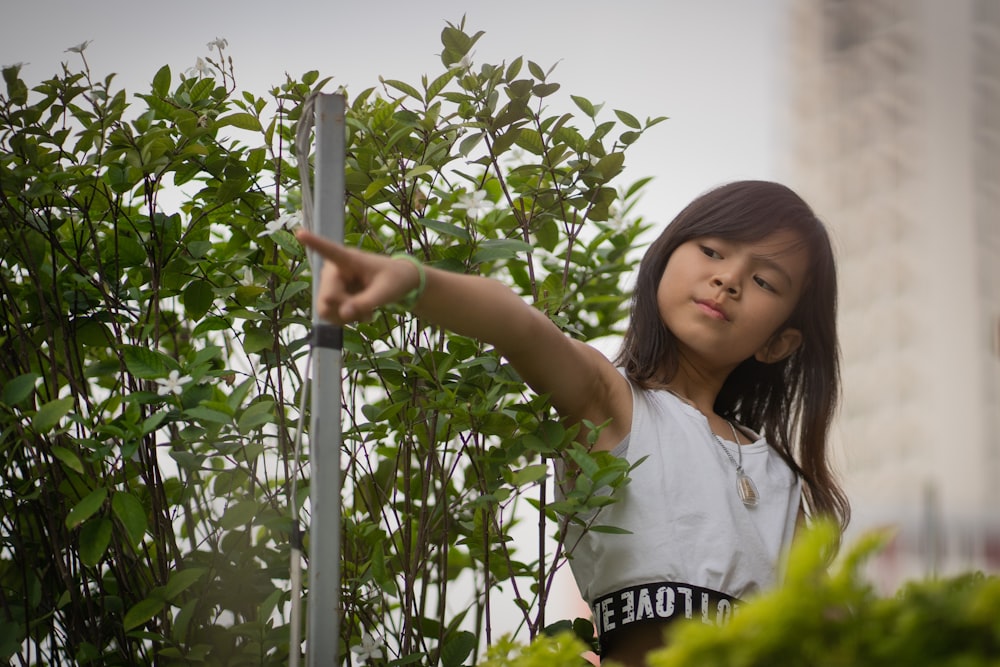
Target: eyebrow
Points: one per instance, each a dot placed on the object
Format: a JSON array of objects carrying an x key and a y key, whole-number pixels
[{"x": 771, "y": 263}]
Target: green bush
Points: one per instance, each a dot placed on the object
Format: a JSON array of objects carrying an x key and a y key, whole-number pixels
[
  {"x": 836, "y": 619},
  {"x": 153, "y": 334}
]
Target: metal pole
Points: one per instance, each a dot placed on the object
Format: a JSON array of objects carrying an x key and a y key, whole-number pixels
[{"x": 323, "y": 611}]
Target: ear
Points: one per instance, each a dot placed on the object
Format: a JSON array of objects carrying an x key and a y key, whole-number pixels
[{"x": 781, "y": 346}]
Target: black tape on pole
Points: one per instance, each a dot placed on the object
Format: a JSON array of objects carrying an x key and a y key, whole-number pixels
[{"x": 328, "y": 336}]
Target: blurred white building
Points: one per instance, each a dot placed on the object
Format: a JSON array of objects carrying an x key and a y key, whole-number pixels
[{"x": 894, "y": 127}]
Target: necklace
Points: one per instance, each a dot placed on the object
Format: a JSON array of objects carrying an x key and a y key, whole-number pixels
[{"x": 745, "y": 487}]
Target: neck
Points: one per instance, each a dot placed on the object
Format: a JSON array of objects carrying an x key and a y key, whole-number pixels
[
  {"x": 697, "y": 383},
  {"x": 700, "y": 392}
]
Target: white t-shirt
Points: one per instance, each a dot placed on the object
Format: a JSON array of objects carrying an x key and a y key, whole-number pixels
[{"x": 682, "y": 508}]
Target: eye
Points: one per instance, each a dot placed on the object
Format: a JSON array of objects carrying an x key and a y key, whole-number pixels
[
  {"x": 709, "y": 252},
  {"x": 764, "y": 284}
]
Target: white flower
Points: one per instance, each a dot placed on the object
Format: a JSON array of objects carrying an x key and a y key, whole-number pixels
[
  {"x": 172, "y": 384},
  {"x": 247, "y": 279},
  {"x": 617, "y": 218},
  {"x": 474, "y": 202},
  {"x": 218, "y": 43},
  {"x": 464, "y": 64},
  {"x": 368, "y": 648},
  {"x": 200, "y": 68},
  {"x": 79, "y": 48},
  {"x": 286, "y": 220}
]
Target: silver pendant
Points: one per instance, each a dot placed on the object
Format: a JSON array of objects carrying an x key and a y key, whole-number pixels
[{"x": 746, "y": 489}]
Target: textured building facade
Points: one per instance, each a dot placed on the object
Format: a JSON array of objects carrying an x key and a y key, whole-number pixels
[{"x": 894, "y": 131}]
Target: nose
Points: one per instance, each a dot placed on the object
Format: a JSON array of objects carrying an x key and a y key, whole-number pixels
[{"x": 728, "y": 283}]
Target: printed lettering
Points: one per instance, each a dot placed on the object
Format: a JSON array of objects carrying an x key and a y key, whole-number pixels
[
  {"x": 628, "y": 607},
  {"x": 723, "y": 612},
  {"x": 644, "y": 608},
  {"x": 664, "y": 602},
  {"x": 704, "y": 607},
  {"x": 607, "y": 614},
  {"x": 688, "y": 607}
]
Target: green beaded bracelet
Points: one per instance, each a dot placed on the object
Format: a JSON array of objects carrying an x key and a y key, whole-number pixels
[{"x": 409, "y": 300}]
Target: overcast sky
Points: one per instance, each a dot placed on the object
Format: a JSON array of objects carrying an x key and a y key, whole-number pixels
[{"x": 712, "y": 66}]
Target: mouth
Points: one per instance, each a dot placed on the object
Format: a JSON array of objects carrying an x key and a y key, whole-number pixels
[{"x": 712, "y": 309}]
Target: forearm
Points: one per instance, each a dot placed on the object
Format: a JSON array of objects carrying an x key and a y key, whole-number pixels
[{"x": 478, "y": 307}]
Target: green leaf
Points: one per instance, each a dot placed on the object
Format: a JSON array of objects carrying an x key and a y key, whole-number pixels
[
  {"x": 128, "y": 251},
  {"x": 147, "y": 364},
  {"x": 143, "y": 611},
  {"x": 161, "y": 81},
  {"x": 545, "y": 89},
  {"x": 201, "y": 413},
  {"x": 404, "y": 88},
  {"x": 610, "y": 530},
  {"x": 457, "y": 649},
  {"x": 19, "y": 389},
  {"x": 469, "y": 143},
  {"x": 153, "y": 421},
  {"x": 610, "y": 165},
  {"x": 530, "y": 474},
  {"x": 94, "y": 539},
  {"x": 439, "y": 83},
  {"x": 528, "y": 139},
  {"x": 494, "y": 249},
  {"x": 68, "y": 457},
  {"x": 239, "y": 515},
  {"x": 182, "y": 580},
  {"x": 514, "y": 69},
  {"x": 376, "y": 186},
  {"x": 258, "y": 414},
  {"x": 628, "y": 119},
  {"x": 445, "y": 228},
  {"x": 48, "y": 415},
  {"x": 85, "y": 509},
  {"x": 17, "y": 91},
  {"x": 131, "y": 514},
  {"x": 585, "y": 105},
  {"x": 419, "y": 170},
  {"x": 197, "y": 298},
  {"x": 243, "y": 121},
  {"x": 582, "y": 458},
  {"x": 255, "y": 340}
]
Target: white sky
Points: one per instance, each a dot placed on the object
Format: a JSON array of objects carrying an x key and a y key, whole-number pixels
[{"x": 711, "y": 66}]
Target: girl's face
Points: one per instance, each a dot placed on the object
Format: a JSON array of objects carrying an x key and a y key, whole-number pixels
[{"x": 726, "y": 301}]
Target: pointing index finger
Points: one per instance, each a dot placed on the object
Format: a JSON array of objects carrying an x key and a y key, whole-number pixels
[{"x": 326, "y": 248}]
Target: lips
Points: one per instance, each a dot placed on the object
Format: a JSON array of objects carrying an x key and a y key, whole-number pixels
[{"x": 712, "y": 309}]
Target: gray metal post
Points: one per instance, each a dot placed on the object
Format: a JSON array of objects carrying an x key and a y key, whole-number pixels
[{"x": 323, "y": 611}]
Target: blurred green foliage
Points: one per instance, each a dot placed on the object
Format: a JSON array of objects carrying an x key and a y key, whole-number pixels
[{"x": 821, "y": 618}]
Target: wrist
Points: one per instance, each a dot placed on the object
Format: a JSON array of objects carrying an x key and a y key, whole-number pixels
[{"x": 409, "y": 300}]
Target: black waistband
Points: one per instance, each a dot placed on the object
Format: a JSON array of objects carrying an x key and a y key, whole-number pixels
[{"x": 661, "y": 601}]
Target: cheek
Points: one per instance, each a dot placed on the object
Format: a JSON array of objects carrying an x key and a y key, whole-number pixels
[{"x": 665, "y": 296}]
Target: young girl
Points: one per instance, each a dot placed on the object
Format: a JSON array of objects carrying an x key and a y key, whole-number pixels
[{"x": 726, "y": 382}]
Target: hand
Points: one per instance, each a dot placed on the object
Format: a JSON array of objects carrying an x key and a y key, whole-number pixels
[{"x": 354, "y": 283}]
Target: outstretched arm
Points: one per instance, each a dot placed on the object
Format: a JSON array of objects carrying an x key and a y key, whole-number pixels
[{"x": 580, "y": 381}]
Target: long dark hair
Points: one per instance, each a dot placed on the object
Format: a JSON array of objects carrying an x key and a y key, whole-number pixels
[{"x": 794, "y": 397}]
